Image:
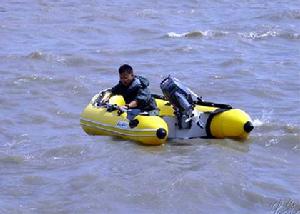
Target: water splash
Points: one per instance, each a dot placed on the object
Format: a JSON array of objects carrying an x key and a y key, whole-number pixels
[
  {"x": 272, "y": 142},
  {"x": 257, "y": 122},
  {"x": 265, "y": 118}
]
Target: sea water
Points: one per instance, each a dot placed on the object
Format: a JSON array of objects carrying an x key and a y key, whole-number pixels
[{"x": 55, "y": 55}]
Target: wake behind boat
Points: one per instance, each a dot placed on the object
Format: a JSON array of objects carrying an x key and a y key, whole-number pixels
[{"x": 182, "y": 115}]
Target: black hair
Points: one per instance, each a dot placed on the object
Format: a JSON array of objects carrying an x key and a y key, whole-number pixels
[{"x": 125, "y": 68}]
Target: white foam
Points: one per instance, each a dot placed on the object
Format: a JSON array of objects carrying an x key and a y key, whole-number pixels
[
  {"x": 257, "y": 122},
  {"x": 259, "y": 35},
  {"x": 176, "y": 35},
  {"x": 207, "y": 33}
]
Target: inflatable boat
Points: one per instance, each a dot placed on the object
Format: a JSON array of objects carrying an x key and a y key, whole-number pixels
[{"x": 181, "y": 116}]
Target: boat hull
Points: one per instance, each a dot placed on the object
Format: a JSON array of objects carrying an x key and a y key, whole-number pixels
[{"x": 207, "y": 121}]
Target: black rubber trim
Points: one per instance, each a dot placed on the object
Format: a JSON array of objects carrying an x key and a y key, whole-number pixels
[
  {"x": 209, "y": 119},
  {"x": 211, "y": 104},
  {"x": 161, "y": 133},
  {"x": 198, "y": 102},
  {"x": 248, "y": 127}
]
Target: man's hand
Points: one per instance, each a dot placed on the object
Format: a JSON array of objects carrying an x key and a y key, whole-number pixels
[
  {"x": 132, "y": 104},
  {"x": 123, "y": 108}
]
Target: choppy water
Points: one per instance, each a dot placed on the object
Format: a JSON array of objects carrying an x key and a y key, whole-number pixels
[{"x": 55, "y": 55}]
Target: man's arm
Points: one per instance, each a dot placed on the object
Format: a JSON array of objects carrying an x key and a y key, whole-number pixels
[
  {"x": 143, "y": 96},
  {"x": 110, "y": 92},
  {"x": 132, "y": 104},
  {"x": 140, "y": 100}
]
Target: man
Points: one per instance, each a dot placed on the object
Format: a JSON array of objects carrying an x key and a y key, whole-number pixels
[{"x": 135, "y": 91}]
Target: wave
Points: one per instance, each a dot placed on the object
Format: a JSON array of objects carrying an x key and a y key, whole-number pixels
[
  {"x": 11, "y": 160},
  {"x": 38, "y": 55},
  {"x": 67, "y": 60},
  {"x": 194, "y": 34},
  {"x": 147, "y": 13},
  {"x": 288, "y": 14},
  {"x": 269, "y": 34},
  {"x": 258, "y": 35},
  {"x": 2, "y": 10},
  {"x": 126, "y": 51},
  {"x": 234, "y": 61},
  {"x": 188, "y": 34},
  {"x": 253, "y": 35},
  {"x": 37, "y": 78},
  {"x": 38, "y": 84}
]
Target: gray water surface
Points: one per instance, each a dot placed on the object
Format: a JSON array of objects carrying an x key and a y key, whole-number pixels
[{"x": 55, "y": 55}]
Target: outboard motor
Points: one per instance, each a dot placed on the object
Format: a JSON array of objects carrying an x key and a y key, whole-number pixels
[{"x": 180, "y": 97}]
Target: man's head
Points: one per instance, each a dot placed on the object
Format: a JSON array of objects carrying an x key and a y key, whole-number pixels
[{"x": 126, "y": 74}]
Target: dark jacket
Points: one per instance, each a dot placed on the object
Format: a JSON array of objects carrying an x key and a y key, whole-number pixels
[{"x": 137, "y": 90}]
